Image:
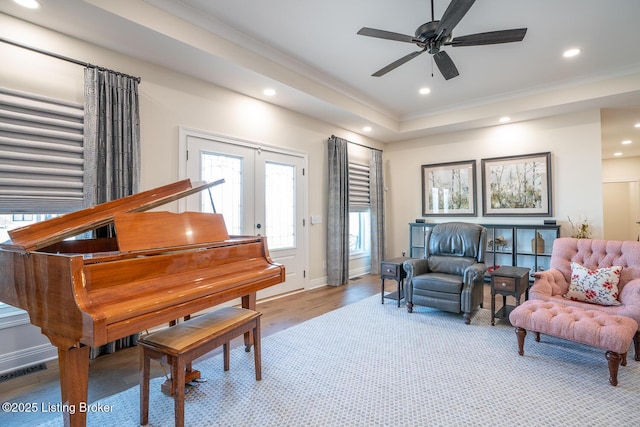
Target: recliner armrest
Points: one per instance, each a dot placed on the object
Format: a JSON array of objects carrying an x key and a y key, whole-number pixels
[
  {"x": 415, "y": 267},
  {"x": 474, "y": 273}
]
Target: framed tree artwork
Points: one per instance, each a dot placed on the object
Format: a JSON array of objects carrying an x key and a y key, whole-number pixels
[
  {"x": 449, "y": 189},
  {"x": 517, "y": 185}
]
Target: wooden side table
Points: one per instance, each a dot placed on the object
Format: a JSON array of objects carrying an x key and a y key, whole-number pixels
[
  {"x": 507, "y": 280},
  {"x": 392, "y": 269}
]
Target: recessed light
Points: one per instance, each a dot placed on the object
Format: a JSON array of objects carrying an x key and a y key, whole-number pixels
[
  {"x": 617, "y": 154},
  {"x": 626, "y": 142},
  {"x": 424, "y": 91},
  {"x": 570, "y": 53},
  {"x": 367, "y": 129},
  {"x": 269, "y": 92},
  {"x": 29, "y": 4},
  {"x": 637, "y": 125},
  {"x": 505, "y": 119}
]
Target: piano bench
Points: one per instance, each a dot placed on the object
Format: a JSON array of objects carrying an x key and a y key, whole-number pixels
[{"x": 181, "y": 344}]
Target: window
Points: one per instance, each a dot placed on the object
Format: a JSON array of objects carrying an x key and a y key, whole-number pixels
[
  {"x": 41, "y": 154},
  {"x": 41, "y": 161},
  {"x": 359, "y": 215},
  {"x": 280, "y": 205},
  {"x": 9, "y": 222},
  {"x": 228, "y": 197},
  {"x": 359, "y": 236}
]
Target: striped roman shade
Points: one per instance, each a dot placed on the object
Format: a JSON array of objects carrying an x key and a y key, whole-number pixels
[
  {"x": 358, "y": 186},
  {"x": 41, "y": 154}
]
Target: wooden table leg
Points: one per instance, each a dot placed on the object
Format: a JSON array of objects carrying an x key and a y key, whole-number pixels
[
  {"x": 145, "y": 367},
  {"x": 249, "y": 302},
  {"x": 493, "y": 306},
  {"x": 74, "y": 381}
]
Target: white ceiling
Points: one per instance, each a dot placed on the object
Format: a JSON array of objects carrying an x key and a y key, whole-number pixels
[{"x": 309, "y": 51}]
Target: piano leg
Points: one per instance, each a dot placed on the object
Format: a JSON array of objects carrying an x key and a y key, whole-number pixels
[
  {"x": 74, "y": 380},
  {"x": 249, "y": 301}
]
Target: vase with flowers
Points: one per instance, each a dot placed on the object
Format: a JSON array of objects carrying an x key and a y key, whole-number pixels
[{"x": 580, "y": 229}]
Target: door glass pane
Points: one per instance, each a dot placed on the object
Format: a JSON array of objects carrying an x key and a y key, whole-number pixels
[
  {"x": 227, "y": 197},
  {"x": 280, "y": 205}
]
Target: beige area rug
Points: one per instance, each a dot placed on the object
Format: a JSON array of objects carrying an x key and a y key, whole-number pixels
[{"x": 369, "y": 364}]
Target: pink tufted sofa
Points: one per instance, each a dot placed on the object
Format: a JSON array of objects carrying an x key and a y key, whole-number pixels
[{"x": 551, "y": 284}]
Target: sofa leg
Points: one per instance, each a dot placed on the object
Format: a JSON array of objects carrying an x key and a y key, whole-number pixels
[
  {"x": 467, "y": 318},
  {"x": 614, "y": 362},
  {"x": 521, "y": 333},
  {"x": 410, "y": 307},
  {"x": 636, "y": 345}
]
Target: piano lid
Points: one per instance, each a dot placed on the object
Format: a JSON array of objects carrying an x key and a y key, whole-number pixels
[{"x": 42, "y": 234}]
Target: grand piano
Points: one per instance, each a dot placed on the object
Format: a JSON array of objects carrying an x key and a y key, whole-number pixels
[{"x": 160, "y": 266}]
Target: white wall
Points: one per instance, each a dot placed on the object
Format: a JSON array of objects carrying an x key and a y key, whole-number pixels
[
  {"x": 621, "y": 169},
  {"x": 573, "y": 140}
]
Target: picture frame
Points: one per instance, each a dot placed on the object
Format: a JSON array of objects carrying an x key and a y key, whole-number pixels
[
  {"x": 449, "y": 189},
  {"x": 517, "y": 185}
]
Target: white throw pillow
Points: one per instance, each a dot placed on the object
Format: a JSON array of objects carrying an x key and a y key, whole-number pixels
[{"x": 599, "y": 286}]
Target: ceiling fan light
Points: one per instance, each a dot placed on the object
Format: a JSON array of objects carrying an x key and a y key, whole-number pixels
[
  {"x": 433, "y": 35},
  {"x": 570, "y": 53}
]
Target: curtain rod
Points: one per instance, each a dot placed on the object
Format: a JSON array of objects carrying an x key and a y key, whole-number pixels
[
  {"x": 64, "y": 58},
  {"x": 360, "y": 145}
]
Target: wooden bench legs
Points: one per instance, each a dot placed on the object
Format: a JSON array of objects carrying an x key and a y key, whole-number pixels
[
  {"x": 180, "y": 345},
  {"x": 614, "y": 359}
]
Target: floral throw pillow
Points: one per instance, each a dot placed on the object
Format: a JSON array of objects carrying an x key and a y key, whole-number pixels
[{"x": 598, "y": 286}]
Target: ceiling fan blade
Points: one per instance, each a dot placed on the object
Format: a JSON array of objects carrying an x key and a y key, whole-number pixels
[
  {"x": 454, "y": 13},
  {"x": 491, "y": 37},
  {"x": 445, "y": 65},
  {"x": 396, "y": 64},
  {"x": 388, "y": 35}
]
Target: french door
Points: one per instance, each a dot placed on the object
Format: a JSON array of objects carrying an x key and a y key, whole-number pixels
[{"x": 263, "y": 195}]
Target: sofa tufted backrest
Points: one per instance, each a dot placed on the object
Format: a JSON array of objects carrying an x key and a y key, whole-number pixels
[
  {"x": 458, "y": 239},
  {"x": 593, "y": 253}
]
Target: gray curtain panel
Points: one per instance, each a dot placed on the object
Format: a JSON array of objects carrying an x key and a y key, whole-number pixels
[
  {"x": 112, "y": 149},
  {"x": 112, "y": 136},
  {"x": 376, "y": 194},
  {"x": 338, "y": 219}
]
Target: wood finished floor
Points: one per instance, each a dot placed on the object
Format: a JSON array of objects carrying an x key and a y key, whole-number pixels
[{"x": 117, "y": 372}]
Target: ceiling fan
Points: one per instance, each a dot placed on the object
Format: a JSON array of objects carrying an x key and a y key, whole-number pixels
[{"x": 431, "y": 36}]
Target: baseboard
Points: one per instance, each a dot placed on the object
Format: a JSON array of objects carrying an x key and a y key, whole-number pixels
[
  {"x": 27, "y": 357},
  {"x": 318, "y": 283},
  {"x": 356, "y": 272},
  {"x": 322, "y": 281}
]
